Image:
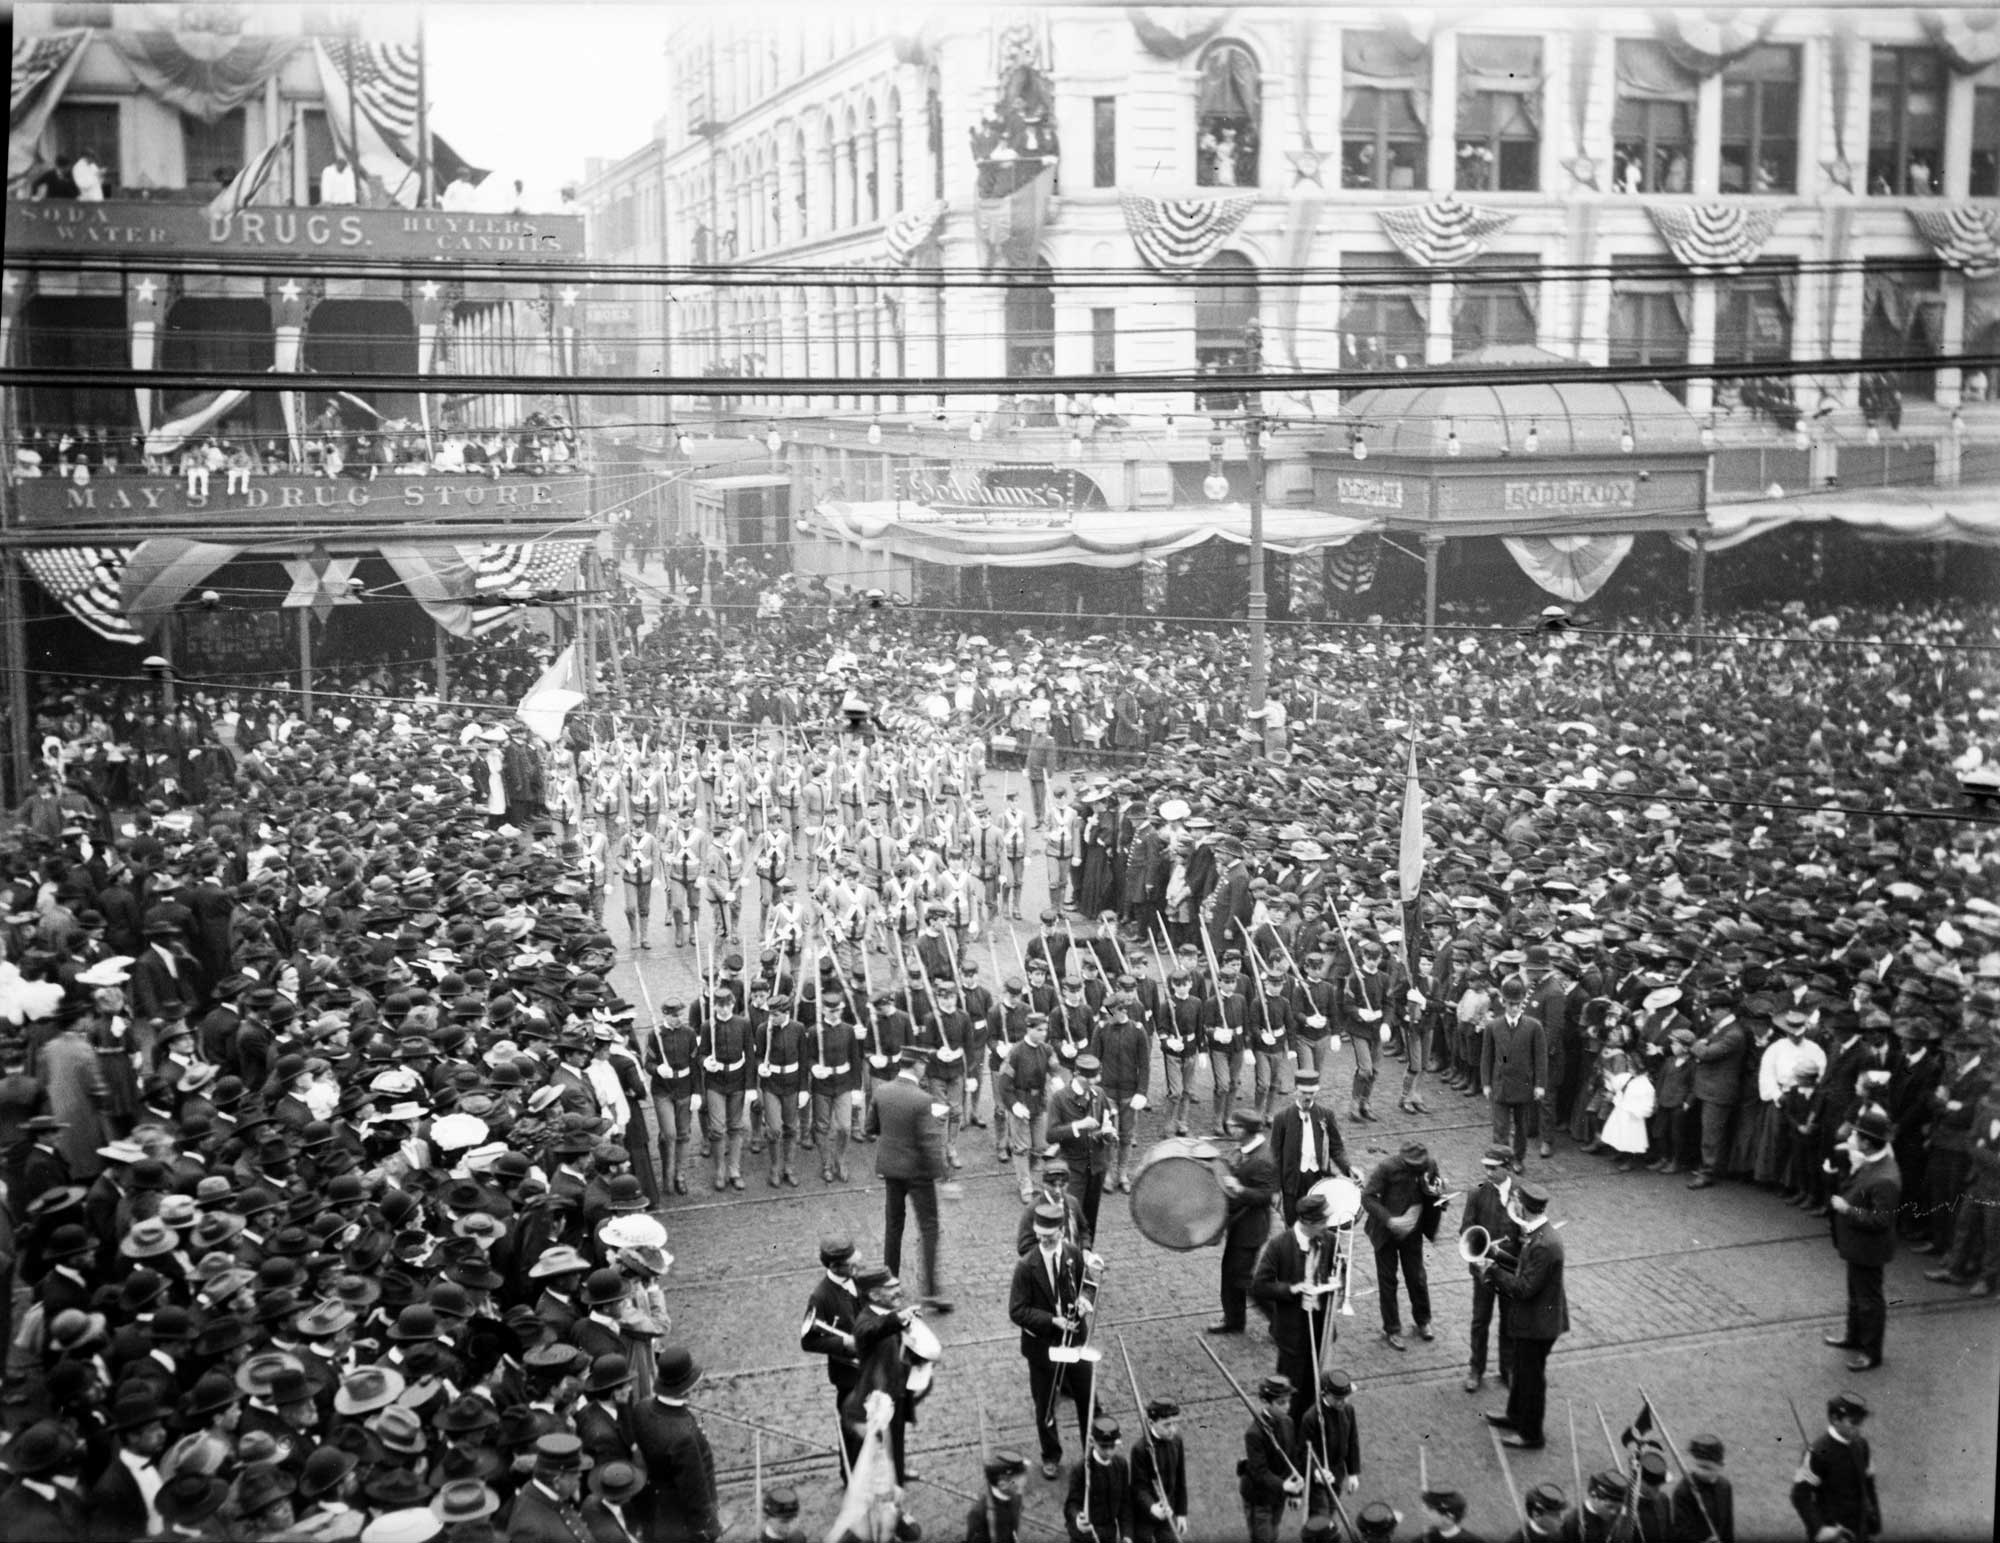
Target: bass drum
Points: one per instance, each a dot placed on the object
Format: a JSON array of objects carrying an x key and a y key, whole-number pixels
[
  {"x": 1177, "y": 1198},
  {"x": 1342, "y": 1196}
]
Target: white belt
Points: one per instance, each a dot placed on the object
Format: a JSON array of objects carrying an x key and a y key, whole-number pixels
[
  {"x": 784, "y": 1071},
  {"x": 946, "y": 1053},
  {"x": 1223, "y": 1036},
  {"x": 835, "y": 1071},
  {"x": 735, "y": 1065}
]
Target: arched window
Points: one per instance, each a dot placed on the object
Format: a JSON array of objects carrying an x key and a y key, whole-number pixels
[
  {"x": 895, "y": 152},
  {"x": 934, "y": 135},
  {"x": 799, "y": 220},
  {"x": 1225, "y": 303},
  {"x": 1228, "y": 114},
  {"x": 1031, "y": 322},
  {"x": 851, "y": 171}
]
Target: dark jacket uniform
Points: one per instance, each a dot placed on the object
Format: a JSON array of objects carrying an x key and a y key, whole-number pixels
[{"x": 1835, "y": 1487}]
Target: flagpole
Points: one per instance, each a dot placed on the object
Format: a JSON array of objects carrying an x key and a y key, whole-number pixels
[
  {"x": 353, "y": 123},
  {"x": 426, "y": 196}
]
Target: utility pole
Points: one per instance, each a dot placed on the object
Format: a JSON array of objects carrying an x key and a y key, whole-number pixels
[{"x": 1253, "y": 441}]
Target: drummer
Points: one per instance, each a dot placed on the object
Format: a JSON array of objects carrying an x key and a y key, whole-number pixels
[{"x": 1248, "y": 1183}]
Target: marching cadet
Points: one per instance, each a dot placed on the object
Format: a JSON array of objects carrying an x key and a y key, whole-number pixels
[
  {"x": 593, "y": 864},
  {"x": 877, "y": 854},
  {"x": 1059, "y": 846},
  {"x": 1834, "y": 1488},
  {"x": 781, "y": 1077},
  {"x": 1546, "y": 1517},
  {"x": 1266, "y": 1479},
  {"x": 676, "y": 1100},
  {"x": 784, "y": 922},
  {"x": 1330, "y": 1440},
  {"x": 996, "y": 1516},
  {"x": 781, "y": 1516},
  {"x": 1225, "y": 1023},
  {"x": 835, "y": 1073},
  {"x": 637, "y": 853},
  {"x": 1122, "y": 1047},
  {"x": 786, "y": 789},
  {"x": 1022, "y": 1088},
  {"x": 683, "y": 855},
  {"x": 771, "y": 858},
  {"x": 1006, "y": 1027},
  {"x": 1099, "y": 1488},
  {"x": 1444, "y": 1516},
  {"x": 1014, "y": 854},
  {"x": 828, "y": 1330},
  {"x": 946, "y": 1034},
  {"x": 728, "y": 857},
  {"x": 1158, "y": 1469},
  {"x": 726, "y": 1054},
  {"x": 1702, "y": 1504},
  {"x": 988, "y": 855}
]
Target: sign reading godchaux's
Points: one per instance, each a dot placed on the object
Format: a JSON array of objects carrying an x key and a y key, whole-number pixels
[
  {"x": 1025, "y": 497},
  {"x": 1569, "y": 495},
  {"x": 141, "y": 226}
]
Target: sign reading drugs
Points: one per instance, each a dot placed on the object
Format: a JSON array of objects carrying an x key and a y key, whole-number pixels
[{"x": 139, "y": 225}]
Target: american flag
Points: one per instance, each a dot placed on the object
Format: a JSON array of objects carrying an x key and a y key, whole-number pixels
[
  {"x": 86, "y": 580},
  {"x": 245, "y": 185},
  {"x": 510, "y": 571},
  {"x": 385, "y": 77}
]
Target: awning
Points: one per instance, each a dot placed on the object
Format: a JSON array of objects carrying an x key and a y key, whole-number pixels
[
  {"x": 745, "y": 480},
  {"x": 1094, "y": 538},
  {"x": 1968, "y": 514}
]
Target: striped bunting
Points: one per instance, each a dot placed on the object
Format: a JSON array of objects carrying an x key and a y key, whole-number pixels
[
  {"x": 1442, "y": 234},
  {"x": 385, "y": 82},
  {"x": 1705, "y": 237},
  {"x": 911, "y": 230},
  {"x": 1353, "y": 567},
  {"x": 1176, "y": 234},
  {"x": 36, "y": 59},
  {"x": 511, "y": 571},
  {"x": 1963, "y": 237},
  {"x": 86, "y": 580}
]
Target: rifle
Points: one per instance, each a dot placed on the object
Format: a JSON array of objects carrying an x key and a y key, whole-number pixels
[
  {"x": 1667, "y": 1436},
  {"x": 1255, "y": 1414},
  {"x": 1575, "y": 1454},
  {"x": 1507, "y": 1473}
]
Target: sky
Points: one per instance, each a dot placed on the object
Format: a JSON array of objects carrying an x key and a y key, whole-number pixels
[{"x": 531, "y": 90}]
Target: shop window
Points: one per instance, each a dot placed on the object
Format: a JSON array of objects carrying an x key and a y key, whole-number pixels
[
  {"x": 1495, "y": 306},
  {"x": 1650, "y": 318},
  {"x": 1652, "y": 125},
  {"x": 1225, "y": 305},
  {"x": 1753, "y": 324},
  {"x": 75, "y": 127},
  {"x": 1983, "y": 179},
  {"x": 213, "y": 152},
  {"x": 1906, "y": 90},
  {"x": 1104, "y": 142},
  {"x": 1903, "y": 317},
  {"x": 1384, "y": 313},
  {"x": 1030, "y": 314},
  {"x": 1385, "y": 84}
]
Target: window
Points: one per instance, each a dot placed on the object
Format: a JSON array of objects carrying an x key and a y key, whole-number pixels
[
  {"x": 213, "y": 151},
  {"x": 1386, "y": 89},
  {"x": 1902, "y": 316},
  {"x": 1652, "y": 126},
  {"x": 1753, "y": 323},
  {"x": 1496, "y": 306},
  {"x": 1499, "y": 114},
  {"x": 1906, "y": 89},
  {"x": 1760, "y": 122},
  {"x": 317, "y": 135},
  {"x": 1228, "y": 116},
  {"x": 1030, "y": 313},
  {"x": 1649, "y": 318},
  {"x": 81, "y": 16},
  {"x": 934, "y": 137},
  {"x": 75, "y": 127},
  {"x": 1984, "y": 178},
  {"x": 1104, "y": 142},
  {"x": 1103, "y": 340},
  {"x": 1225, "y": 304},
  {"x": 1384, "y": 312}
]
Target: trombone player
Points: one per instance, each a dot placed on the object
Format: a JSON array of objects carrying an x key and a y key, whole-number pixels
[{"x": 1484, "y": 1226}]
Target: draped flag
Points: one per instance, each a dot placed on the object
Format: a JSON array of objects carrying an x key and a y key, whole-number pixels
[
  {"x": 383, "y": 115},
  {"x": 159, "y": 572},
  {"x": 42, "y": 69},
  {"x": 1010, "y": 223},
  {"x": 1410, "y": 852},
  {"x": 245, "y": 185},
  {"x": 86, "y": 580},
  {"x": 1570, "y": 567},
  {"x": 1707, "y": 237},
  {"x": 1178, "y": 234},
  {"x": 1443, "y": 233},
  {"x": 192, "y": 419},
  {"x": 1964, "y": 237},
  {"x": 550, "y": 699},
  {"x": 1355, "y": 565},
  {"x": 509, "y": 571},
  {"x": 912, "y": 230},
  {"x": 206, "y": 72}
]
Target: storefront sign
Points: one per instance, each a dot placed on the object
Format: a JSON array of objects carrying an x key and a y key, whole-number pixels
[
  {"x": 141, "y": 226},
  {"x": 1570, "y": 495},
  {"x": 1017, "y": 497},
  {"x": 58, "y": 502},
  {"x": 1369, "y": 492}
]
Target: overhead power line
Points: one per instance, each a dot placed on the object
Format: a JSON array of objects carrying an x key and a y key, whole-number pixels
[{"x": 31, "y": 375}]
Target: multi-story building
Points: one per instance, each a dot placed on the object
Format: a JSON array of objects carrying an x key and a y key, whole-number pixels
[
  {"x": 1380, "y": 188},
  {"x": 176, "y": 206}
]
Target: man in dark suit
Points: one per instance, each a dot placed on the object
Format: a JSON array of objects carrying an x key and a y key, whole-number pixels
[
  {"x": 1055, "y": 1190},
  {"x": 116, "y": 1502},
  {"x": 1488, "y": 1207},
  {"x": 1248, "y": 1185},
  {"x": 1402, "y": 1198},
  {"x": 828, "y": 1328},
  {"x": 909, "y": 1160},
  {"x": 1718, "y": 1082},
  {"x": 545, "y": 1509},
  {"x": 1864, "y": 1233},
  {"x": 1513, "y": 1066},
  {"x": 1289, "y": 1279},
  {"x": 678, "y": 1502},
  {"x": 1230, "y": 908},
  {"x": 164, "y": 972},
  {"x": 1532, "y": 1283},
  {"x": 42, "y": 1505},
  {"x": 1305, "y": 1144},
  {"x": 1046, "y": 1303}
]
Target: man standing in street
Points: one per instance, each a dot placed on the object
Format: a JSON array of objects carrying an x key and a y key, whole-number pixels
[
  {"x": 1488, "y": 1208},
  {"x": 1289, "y": 1280},
  {"x": 909, "y": 1161},
  {"x": 1532, "y": 1283},
  {"x": 1305, "y": 1144},
  {"x": 828, "y": 1329},
  {"x": 1718, "y": 1081},
  {"x": 1402, "y": 1198},
  {"x": 1513, "y": 1067},
  {"x": 1046, "y": 1303},
  {"x": 1864, "y": 1233},
  {"x": 1248, "y": 1186}
]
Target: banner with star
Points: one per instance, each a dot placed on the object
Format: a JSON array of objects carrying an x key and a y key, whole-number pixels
[
  {"x": 319, "y": 583},
  {"x": 290, "y": 304},
  {"x": 143, "y": 306}
]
